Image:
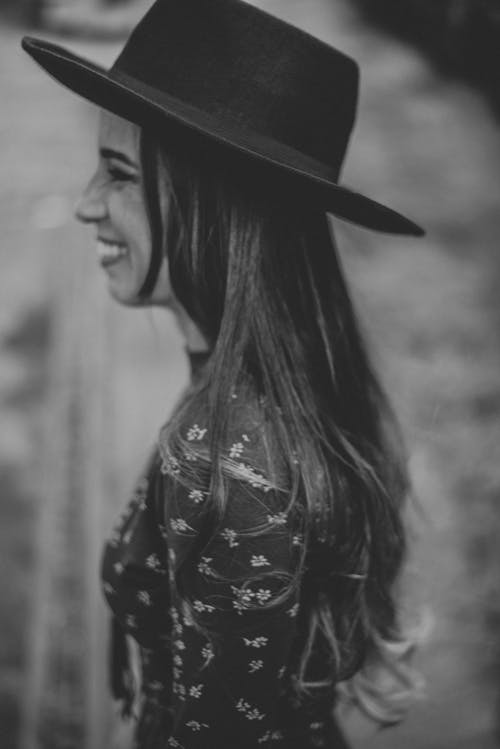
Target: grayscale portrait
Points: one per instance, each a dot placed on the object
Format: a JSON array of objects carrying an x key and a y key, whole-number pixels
[{"x": 250, "y": 374}]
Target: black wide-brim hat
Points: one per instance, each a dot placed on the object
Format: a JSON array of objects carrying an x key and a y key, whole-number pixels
[{"x": 247, "y": 83}]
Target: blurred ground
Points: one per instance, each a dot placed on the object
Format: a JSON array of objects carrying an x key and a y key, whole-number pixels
[{"x": 425, "y": 145}]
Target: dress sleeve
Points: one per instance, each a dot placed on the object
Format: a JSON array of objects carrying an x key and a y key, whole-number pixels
[{"x": 232, "y": 643}]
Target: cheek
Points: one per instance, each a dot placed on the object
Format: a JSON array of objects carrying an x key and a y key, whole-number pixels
[
  {"x": 140, "y": 245},
  {"x": 130, "y": 220},
  {"x": 131, "y": 224}
]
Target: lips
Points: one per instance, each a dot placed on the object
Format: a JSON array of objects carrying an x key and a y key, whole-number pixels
[{"x": 110, "y": 253}]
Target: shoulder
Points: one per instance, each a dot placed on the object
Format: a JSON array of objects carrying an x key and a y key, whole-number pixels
[
  {"x": 245, "y": 449},
  {"x": 243, "y": 489}
]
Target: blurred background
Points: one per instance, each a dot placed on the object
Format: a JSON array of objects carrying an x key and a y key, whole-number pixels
[{"x": 85, "y": 384}]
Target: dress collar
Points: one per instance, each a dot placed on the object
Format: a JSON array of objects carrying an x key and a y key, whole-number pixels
[{"x": 196, "y": 361}]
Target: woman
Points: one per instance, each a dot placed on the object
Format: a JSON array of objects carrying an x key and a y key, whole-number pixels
[{"x": 256, "y": 563}]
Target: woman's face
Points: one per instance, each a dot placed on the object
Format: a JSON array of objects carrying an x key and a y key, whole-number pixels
[{"x": 114, "y": 202}]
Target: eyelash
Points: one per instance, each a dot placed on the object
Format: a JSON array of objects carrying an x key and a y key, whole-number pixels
[{"x": 119, "y": 176}]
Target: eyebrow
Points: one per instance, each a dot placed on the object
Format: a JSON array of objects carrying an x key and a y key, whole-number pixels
[{"x": 110, "y": 153}]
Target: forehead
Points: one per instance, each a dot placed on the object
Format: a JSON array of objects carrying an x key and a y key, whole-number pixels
[{"x": 118, "y": 134}]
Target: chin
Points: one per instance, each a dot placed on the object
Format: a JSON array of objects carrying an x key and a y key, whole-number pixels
[
  {"x": 129, "y": 297},
  {"x": 125, "y": 296}
]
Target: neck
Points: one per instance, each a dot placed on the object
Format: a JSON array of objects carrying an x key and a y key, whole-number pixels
[{"x": 195, "y": 340}]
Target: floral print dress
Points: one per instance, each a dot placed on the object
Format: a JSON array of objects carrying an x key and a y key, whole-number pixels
[{"x": 218, "y": 672}]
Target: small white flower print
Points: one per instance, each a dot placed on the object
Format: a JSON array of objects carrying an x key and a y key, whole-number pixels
[
  {"x": 171, "y": 555},
  {"x": 271, "y": 736},
  {"x": 281, "y": 672},
  {"x": 255, "y": 665},
  {"x": 293, "y": 611},
  {"x": 131, "y": 621},
  {"x": 251, "y": 713},
  {"x": 316, "y": 725},
  {"x": 179, "y": 644},
  {"x": 259, "y": 560},
  {"x": 174, "y": 743},
  {"x": 174, "y": 613},
  {"x": 195, "y": 691},
  {"x": 257, "y": 642},
  {"x": 243, "y": 598},
  {"x": 177, "y": 673},
  {"x": 200, "y": 606},
  {"x": 278, "y": 519},
  {"x": 208, "y": 653},
  {"x": 297, "y": 540},
  {"x": 179, "y": 525},
  {"x": 262, "y": 595},
  {"x": 195, "y": 433},
  {"x": 234, "y": 395},
  {"x": 156, "y": 686},
  {"x": 255, "y": 715},
  {"x": 235, "y": 450},
  {"x": 240, "y": 608},
  {"x": 245, "y": 438},
  {"x": 196, "y": 495},
  {"x": 178, "y": 660},
  {"x": 170, "y": 466},
  {"x": 153, "y": 562},
  {"x": 204, "y": 567},
  {"x": 108, "y": 588},
  {"x": 230, "y": 536},
  {"x": 144, "y": 597},
  {"x": 179, "y": 690},
  {"x": 118, "y": 568},
  {"x": 194, "y": 725},
  {"x": 254, "y": 479}
]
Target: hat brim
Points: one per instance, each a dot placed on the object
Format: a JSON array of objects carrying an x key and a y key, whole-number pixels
[{"x": 134, "y": 100}]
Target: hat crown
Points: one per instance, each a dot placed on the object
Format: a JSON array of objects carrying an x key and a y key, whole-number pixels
[{"x": 248, "y": 69}]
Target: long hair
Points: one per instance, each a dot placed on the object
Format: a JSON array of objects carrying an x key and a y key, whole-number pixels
[{"x": 258, "y": 272}]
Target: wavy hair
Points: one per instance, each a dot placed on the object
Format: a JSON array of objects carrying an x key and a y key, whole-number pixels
[{"x": 256, "y": 269}]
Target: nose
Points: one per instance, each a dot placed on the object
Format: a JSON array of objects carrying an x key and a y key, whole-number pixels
[{"x": 91, "y": 208}]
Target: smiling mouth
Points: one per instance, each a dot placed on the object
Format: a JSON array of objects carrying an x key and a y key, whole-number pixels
[{"x": 110, "y": 253}]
